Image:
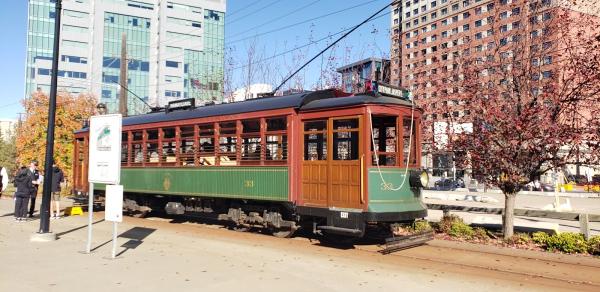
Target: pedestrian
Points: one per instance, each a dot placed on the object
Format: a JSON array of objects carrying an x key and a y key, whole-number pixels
[
  {"x": 24, "y": 186},
  {"x": 36, "y": 180},
  {"x": 57, "y": 179},
  {"x": 3, "y": 180}
]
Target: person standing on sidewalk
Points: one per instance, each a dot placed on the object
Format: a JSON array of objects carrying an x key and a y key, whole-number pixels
[
  {"x": 35, "y": 179},
  {"x": 57, "y": 179},
  {"x": 24, "y": 186},
  {"x": 3, "y": 180}
]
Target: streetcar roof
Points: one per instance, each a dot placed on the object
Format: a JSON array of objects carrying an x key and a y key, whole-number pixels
[{"x": 305, "y": 101}]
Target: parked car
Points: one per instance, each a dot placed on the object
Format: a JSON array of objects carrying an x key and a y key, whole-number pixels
[
  {"x": 577, "y": 179},
  {"x": 596, "y": 179},
  {"x": 448, "y": 184},
  {"x": 540, "y": 187}
]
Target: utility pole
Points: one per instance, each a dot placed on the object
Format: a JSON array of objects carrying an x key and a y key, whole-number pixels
[
  {"x": 123, "y": 81},
  {"x": 45, "y": 208}
]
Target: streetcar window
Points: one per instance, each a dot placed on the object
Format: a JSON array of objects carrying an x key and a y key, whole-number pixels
[
  {"x": 152, "y": 134},
  {"x": 406, "y": 125},
  {"x": 251, "y": 126},
  {"x": 124, "y": 153},
  {"x": 227, "y": 150},
  {"x": 168, "y": 151},
  {"x": 276, "y": 147},
  {"x": 251, "y": 148},
  {"x": 384, "y": 136},
  {"x": 315, "y": 126},
  {"x": 187, "y": 132},
  {"x": 168, "y": 133},
  {"x": 315, "y": 140},
  {"x": 124, "y": 147},
  {"x": 152, "y": 146},
  {"x": 186, "y": 146},
  {"x": 276, "y": 140},
  {"x": 137, "y": 136},
  {"x": 345, "y": 139},
  {"x": 227, "y": 154},
  {"x": 137, "y": 153},
  {"x": 276, "y": 124},
  {"x": 206, "y": 141},
  {"x": 227, "y": 128}
]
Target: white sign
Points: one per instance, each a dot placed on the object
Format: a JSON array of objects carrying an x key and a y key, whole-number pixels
[
  {"x": 114, "y": 203},
  {"x": 105, "y": 149}
]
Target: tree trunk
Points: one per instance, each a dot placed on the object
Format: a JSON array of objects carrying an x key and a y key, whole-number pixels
[{"x": 508, "y": 216}]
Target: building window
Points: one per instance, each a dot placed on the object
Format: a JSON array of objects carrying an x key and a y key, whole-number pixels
[{"x": 172, "y": 64}]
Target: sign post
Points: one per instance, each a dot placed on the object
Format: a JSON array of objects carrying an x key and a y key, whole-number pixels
[
  {"x": 104, "y": 159},
  {"x": 114, "y": 210}
]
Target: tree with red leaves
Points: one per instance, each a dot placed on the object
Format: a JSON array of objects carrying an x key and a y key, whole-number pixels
[{"x": 533, "y": 97}]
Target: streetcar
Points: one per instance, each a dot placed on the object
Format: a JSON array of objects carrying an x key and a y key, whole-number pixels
[{"x": 331, "y": 162}]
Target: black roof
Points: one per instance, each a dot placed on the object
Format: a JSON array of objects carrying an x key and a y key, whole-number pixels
[{"x": 310, "y": 100}]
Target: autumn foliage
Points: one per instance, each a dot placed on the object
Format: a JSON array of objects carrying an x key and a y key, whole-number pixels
[{"x": 71, "y": 111}]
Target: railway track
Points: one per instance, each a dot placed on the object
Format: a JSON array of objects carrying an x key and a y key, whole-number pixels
[
  {"x": 439, "y": 256},
  {"x": 579, "y": 270}
]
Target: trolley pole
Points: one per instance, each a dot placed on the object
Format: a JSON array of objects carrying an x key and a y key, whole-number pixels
[{"x": 45, "y": 209}]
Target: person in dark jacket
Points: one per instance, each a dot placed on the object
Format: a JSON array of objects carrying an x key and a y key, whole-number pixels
[
  {"x": 57, "y": 179},
  {"x": 24, "y": 187},
  {"x": 36, "y": 180}
]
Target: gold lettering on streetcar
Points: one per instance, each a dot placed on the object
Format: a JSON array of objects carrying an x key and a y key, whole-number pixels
[{"x": 249, "y": 183}]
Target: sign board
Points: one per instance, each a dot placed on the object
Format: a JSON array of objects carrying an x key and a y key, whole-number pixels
[
  {"x": 105, "y": 149},
  {"x": 390, "y": 90},
  {"x": 181, "y": 104},
  {"x": 114, "y": 203}
]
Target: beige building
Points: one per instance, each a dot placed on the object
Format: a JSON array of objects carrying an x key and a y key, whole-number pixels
[{"x": 7, "y": 128}]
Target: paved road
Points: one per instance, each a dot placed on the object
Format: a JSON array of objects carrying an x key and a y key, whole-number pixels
[{"x": 157, "y": 254}]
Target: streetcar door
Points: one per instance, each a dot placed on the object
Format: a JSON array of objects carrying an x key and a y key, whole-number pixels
[{"x": 332, "y": 161}]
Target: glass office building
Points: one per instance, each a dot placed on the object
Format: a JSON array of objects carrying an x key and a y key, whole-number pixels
[{"x": 174, "y": 49}]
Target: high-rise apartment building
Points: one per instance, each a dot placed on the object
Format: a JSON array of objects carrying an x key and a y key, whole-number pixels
[
  {"x": 174, "y": 49},
  {"x": 433, "y": 41}
]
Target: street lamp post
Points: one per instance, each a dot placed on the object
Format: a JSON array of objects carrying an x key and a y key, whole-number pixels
[{"x": 45, "y": 208}]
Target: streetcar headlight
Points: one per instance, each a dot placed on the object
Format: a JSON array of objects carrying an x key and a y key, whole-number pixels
[
  {"x": 419, "y": 179},
  {"x": 424, "y": 177}
]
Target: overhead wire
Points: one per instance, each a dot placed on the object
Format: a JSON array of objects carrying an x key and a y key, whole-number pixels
[
  {"x": 243, "y": 8},
  {"x": 251, "y": 13}
]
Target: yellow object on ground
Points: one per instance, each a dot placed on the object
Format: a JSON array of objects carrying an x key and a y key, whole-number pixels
[{"x": 74, "y": 210}]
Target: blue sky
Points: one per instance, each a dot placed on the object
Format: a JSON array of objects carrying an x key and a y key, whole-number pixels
[{"x": 272, "y": 27}]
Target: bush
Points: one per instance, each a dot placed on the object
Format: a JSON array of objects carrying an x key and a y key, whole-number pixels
[
  {"x": 421, "y": 226},
  {"x": 594, "y": 245},
  {"x": 567, "y": 242},
  {"x": 446, "y": 223},
  {"x": 540, "y": 238},
  {"x": 520, "y": 239},
  {"x": 462, "y": 230},
  {"x": 480, "y": 234}
]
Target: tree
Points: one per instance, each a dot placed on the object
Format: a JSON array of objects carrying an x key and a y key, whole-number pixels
[
  {"x": 531, "y": 97},
  {"x": 8, "y": 153},
  {"x": 71, "y": 112}
]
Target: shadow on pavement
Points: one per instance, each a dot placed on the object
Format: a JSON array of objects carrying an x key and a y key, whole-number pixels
[
  {"x": 77, "y": 228},
  {"x": 136, "y": 236}
]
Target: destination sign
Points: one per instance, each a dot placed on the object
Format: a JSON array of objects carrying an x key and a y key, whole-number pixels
[
  {"x": 181, "y": 104},
  {"x": 394, "y": 91}
]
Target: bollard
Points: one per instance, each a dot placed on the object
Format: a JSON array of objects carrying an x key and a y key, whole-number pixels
[{"x": 584, "y": 225}]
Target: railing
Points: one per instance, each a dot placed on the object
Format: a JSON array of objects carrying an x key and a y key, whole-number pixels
[{"x": 583, "y": 218}]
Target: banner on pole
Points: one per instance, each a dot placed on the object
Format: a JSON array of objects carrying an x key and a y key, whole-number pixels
[
  {"x": 114, "y": 203},
  {"x": 105, "y": 149}
]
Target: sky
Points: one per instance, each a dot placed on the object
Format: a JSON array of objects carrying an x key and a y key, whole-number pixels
[{"x": 270, "y": 28}]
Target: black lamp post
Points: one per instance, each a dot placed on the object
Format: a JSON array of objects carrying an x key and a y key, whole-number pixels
[{"x": 45, "y": 209}]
